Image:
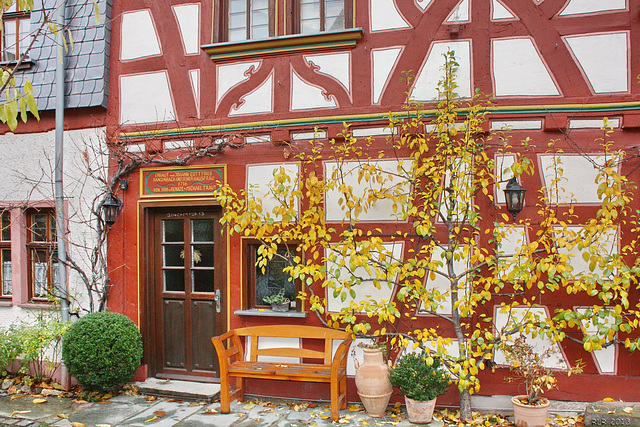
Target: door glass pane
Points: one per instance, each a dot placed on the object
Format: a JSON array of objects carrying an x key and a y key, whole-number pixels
[
  {"x": 202, "y": 280},
  {"x": 202, "y": 256},
  {"x": 202, "y": 230},
  {"x": 173, "y": 256},
  {"x": 173, "y": 230},
  {"x": 173, "y": 280}
]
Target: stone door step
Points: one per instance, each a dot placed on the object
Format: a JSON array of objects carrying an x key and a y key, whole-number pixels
[{"x": 179, "y": 389}]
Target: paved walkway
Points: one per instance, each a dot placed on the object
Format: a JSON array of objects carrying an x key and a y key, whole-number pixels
[{"x": 129, "y": 410}]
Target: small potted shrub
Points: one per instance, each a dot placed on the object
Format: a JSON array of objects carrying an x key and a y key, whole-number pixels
[
  {"x": 530, "y": 409},
  {"x": 421, "y": 378},
  {"x": 279, "y": 301}
]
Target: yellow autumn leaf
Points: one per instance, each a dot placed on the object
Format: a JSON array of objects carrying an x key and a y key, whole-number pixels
[
  {"x": 65, "y": 416},
  {"x": 19, "y": 412},
  {"x": 103, "y": 425},
  {"x": 151, "y": 419},
  {"x": 39, "y": 400},
  {"x": 77, "y": 424},
  {"x": 249, "y": 406},
  {"x": 628, "y": 409},
  {"x": 607, "y": 399}
]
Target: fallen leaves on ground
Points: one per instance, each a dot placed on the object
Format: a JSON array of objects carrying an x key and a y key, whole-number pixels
[{"x": 39, "y": 400}]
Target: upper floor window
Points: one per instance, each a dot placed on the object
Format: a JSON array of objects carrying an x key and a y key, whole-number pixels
[
  {"x": 320, "y": 15},
  {"x": 240, "y": 20},
  {"x": 43, "y": 259},
  {"x": 6, "y": 288},
  {"x": 15, "y": 34}
]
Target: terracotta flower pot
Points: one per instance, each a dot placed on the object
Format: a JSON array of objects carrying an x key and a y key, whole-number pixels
[
  {"x": 420, "y": 411},
  {"x": 529, "y": 415},
  {"x": 372, "y": 381}
]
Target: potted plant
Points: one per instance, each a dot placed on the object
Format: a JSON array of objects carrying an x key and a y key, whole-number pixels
[
  {"x": 530, "y": 409},
  {"x": 421, "y": 378},
  {"x": 279, "y": 301}
]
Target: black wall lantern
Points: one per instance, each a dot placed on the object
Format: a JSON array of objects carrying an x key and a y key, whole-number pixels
[
  {"x": 110, "y": 208},
  {"x": 514, "y": 195}
]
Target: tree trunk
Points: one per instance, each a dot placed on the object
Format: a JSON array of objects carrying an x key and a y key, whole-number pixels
[{"x": 465, "y": 406}]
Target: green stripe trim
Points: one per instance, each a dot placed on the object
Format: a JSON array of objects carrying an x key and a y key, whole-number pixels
[{"x": 376, "y": 117}]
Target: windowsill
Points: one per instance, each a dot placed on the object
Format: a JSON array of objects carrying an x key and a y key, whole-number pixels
[
  {"x": 270, "y": 313},
  {"x": 284, "y": 44},
  {"x": 35, "y": 304},
  {"x": 24, "y": 65},
  {"x": 6, "y": 302}
]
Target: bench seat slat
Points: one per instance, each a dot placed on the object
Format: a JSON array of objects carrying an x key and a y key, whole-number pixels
[{"x": 293, "y": 371}]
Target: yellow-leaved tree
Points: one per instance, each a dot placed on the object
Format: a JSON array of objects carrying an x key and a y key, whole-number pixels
[{"x": 448, "y": 270}]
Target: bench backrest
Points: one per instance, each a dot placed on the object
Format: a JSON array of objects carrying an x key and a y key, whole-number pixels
[{"x": 293, "y": 331}]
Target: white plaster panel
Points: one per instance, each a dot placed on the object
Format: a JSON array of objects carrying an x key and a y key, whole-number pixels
[
  {"x": 355, "y": 353},
  {"x": 307, "y": 136},
  {"x": 423, "y": 4},
  {"x": 377, "y": 131},
  {"x": 188, "y": 16},
  {"x": 514, "y": 238},
  {"x": 518, "y": 69},
  {"x": 460, "y": 13},
  {"x": 260, "y": 179},
  {"x": 383, "y": 62},
  {"x": 426, "y": 83},
  {"x": 194, "y": 75},
  {"x": 557, "y": 359},
  {"x": 575, "y": 7},
  {"x": 305, "y": 96},
  {"x": 386, "y": 16},
  {"x": 139, "y": 38},
  {"x": 145, "y": 98},
  {"x": 232, "y": 75},
  {"x": 577, "y": 181},
  {"x": 366, "y": 290},
  {"x": 605, "y": 244},
  {"x": 442, "y": 284},
  {"x": 605, "y": 358},
  {"x": 381, "y": 210},
  {"x": 135, "y": 148},
  {"x": 178, "y": 144},
  {"x": 516, "y": 124},
  {"x": 504, "y": 174},
  {"x": 335, "y": 65},
  {"x": 260, "y": 100},
  {"x": 593, "y": 123},
  {"x": 500, "y": 11},
  {"x": 603, "y": 59},
  {"x": 274, "y": 342}
]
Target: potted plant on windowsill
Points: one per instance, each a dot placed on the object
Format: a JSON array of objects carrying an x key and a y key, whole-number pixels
[
  {"x": 530, "y": 409},
  {"x": 421, "y": 378},
  {"x": 279, "y": 302}
]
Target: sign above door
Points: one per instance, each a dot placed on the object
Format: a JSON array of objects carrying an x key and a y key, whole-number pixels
[{"x": 188, "y": 181}]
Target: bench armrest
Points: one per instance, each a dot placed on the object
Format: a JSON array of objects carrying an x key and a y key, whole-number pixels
[
  {"x": 339, "y": 361},
  {"x": 225, "y": 354}
]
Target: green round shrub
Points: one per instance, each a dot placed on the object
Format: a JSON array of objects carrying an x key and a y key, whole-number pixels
[{"x": 102, "y": 350}]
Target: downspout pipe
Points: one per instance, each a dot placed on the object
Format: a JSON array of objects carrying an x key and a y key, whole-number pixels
[{"x": 61, "y": 221}]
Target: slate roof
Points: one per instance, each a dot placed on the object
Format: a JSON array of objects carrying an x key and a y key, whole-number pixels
[{"x": 87, "y": 61}]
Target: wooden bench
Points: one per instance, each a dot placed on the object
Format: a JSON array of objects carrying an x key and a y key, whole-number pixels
[{"x": 312, "y": 366}]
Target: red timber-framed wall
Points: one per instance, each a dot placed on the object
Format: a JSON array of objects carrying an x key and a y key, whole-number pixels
[{"x": 552, "y": 65}]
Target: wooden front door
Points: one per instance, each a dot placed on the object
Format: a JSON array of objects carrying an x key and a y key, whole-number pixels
[{"x": 187, "y": 263}]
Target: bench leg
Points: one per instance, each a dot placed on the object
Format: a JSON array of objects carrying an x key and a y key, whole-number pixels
[
  {"x": 335, "y": 401},
  {"x": 225, "y": 401},
  {"x": 343, "y": 392}
]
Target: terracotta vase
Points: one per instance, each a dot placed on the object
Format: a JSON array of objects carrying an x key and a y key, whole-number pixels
[
  {"x": 529, "y": 415},
  {"x": 420, "y": 411},
  {"x": 372, "y": 382}
]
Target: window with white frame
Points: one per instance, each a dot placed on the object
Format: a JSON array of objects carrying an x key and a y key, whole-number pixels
[{"x": 15, "y": 33}]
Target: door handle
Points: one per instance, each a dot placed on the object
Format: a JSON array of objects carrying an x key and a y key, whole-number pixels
[{"x": 217, "y": 298}]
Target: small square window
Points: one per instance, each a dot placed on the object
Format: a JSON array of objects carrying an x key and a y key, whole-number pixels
[{"x": 271, "y": 278}]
